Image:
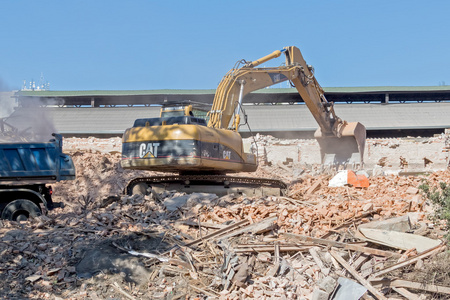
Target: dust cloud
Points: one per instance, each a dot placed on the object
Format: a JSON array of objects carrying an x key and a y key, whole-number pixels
[
  {"x": 7, "y": 103},
  {"x": 33, "y": 123},
  {"x": 29, "y": 122}
]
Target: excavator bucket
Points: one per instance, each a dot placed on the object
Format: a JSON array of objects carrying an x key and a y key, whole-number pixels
[{"x": 347, "y": 150}]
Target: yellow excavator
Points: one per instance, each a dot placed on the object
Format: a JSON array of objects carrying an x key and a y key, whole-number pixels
[{"x": 202, "y": 150}]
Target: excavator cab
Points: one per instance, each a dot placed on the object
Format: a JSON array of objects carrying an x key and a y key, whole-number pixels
[{"x": 185, "y": 108}]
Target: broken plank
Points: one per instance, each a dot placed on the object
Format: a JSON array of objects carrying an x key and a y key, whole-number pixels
[
  {"x": 409, "y": 261},
  {"x": 405, "y": 293},
  {"x": 298, "y": 202},
  {"x": 346, "y": 246},
  {"x": 349, "y": 221},
  {"x": 432, "y": 288},
  {"x": 253, "y": 228},
  {"x": 273, "y": 271},
  {"x": 318, "y": 261},
  {"x": 360, "y": 261},
  {"x": 357, "y": 276},
  {"x": 422, "y": 286},
  {"x": 316, "y": 185},
  {"x": 268, "y": 248},
  {"x": 202, "y": 224},
  {"x": 218, "y": 233},
  {"x": 372, "y": 251},
  {"x": 209, "y": 293}
]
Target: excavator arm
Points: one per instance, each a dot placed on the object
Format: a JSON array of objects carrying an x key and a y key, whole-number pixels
[
  {"x": 237, "y": 83},
  {"x": 341, "y": 143}
]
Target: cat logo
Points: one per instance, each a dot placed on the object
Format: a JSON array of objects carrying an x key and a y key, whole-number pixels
[
  {"x": 226, "y": 154},
  {"x": 148, "y": 150}
]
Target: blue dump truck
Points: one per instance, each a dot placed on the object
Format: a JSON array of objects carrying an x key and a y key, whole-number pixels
[{"x": 26, "y": 169}]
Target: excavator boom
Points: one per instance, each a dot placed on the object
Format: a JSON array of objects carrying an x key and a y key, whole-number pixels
[{"x": 341, "y": 143}]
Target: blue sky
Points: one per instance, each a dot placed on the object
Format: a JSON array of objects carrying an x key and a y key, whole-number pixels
[{"x": 140, "y": 45}]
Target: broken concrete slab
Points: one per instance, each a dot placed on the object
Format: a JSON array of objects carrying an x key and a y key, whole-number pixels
[
  {"x": 348, "y": 290},
  {"x": 327, "y": 284},
  {"x": 398, "y": 240},
  {"x": 401, "y": 224}
]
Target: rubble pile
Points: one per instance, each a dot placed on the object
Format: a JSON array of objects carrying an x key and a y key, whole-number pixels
[{"x": 316, "y": 242}]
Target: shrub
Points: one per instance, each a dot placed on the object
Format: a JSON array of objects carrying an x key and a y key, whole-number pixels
[{"x": 440, "y": 197}]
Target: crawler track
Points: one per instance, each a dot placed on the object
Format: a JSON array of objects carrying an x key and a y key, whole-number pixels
[{"x": 218, "y": 184}]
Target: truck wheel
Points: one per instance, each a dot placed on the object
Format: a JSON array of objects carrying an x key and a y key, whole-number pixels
[{"x": 20, "y": 210}]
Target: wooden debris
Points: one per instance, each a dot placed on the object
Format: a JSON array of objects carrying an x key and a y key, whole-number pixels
[
  {"x": 261, "y": 226},
  {"x": 255, "y": 248},
  {"x": 202, "y": 224},
  {"x": 208, "y": 293},
  {"x": 209, "y": 249},
  {"x": 412, "y": 285},
  {"x": 117, "y": 286},
  {"x": 314, "y": 253},
  {"x": 314, "y": 187},
  {"x": 405, "y": 293},
  {"x": 342, "y": 245},
  {"x": 218, "y": 233},
  {"x": 409, "y": 261},
  {"x": 356, "y": 275},
  {"x": 273, "y": 271}
]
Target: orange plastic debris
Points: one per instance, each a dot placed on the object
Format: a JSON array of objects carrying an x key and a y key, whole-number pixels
[{"x": 357, "y": 180}]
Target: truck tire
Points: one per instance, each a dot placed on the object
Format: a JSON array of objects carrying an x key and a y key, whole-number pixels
[{"x": 20, "y": 210}]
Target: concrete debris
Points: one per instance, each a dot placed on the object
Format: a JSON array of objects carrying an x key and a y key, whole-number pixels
[
  {"x": 398, "y": 240},
  {"x": 348, "y": 290},
  {"x": 401, "y": 224},
  {"x": 105, "y": 245},
  {"x": 177, "y": 200},
  {"x": 392, "y": 233}
]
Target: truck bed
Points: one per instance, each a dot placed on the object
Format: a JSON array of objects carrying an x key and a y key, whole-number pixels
[{"x": 34, "y": 163}]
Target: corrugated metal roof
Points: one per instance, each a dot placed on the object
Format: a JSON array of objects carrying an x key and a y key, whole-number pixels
[
  {"x": 111, "y": 93},
  {"x": 387, "y": 89},
  {"x": 374, "y": 89}
]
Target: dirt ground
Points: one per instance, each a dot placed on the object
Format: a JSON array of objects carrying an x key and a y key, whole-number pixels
[{"x": 105, "y": 245}]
